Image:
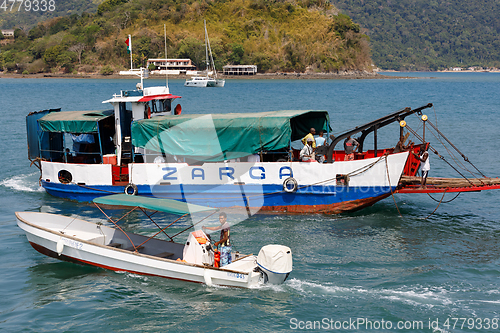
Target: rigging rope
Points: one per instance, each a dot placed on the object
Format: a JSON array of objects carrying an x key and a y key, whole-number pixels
[
  {"x": 463, "y": 156},
  {"x": 458, "y": 162},
  {"x": 437, "y": 206},
  {"x": 441, "y": 157},
  {"x": 389, "y": 179},
  {"x": 442, "y": 199}
]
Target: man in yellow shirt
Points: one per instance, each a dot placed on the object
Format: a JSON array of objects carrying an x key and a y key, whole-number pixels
[{"x": 310, "y": 135}]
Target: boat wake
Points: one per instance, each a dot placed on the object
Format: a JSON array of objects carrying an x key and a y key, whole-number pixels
[
  {"x": 23, "y": 183},
  {"x": 409, "y": 295}
]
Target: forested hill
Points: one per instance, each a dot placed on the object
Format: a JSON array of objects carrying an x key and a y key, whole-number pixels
[
  {"x": 27, "y": 13},
  {"x": 276, "y": 35},
  {"x": 428, "y": 34}
]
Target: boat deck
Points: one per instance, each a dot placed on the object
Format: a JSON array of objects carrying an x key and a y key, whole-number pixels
[{"x": 411, "y": 184}]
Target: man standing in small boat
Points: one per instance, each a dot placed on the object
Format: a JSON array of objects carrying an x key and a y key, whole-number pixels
[{"x": 224, "y": 242}]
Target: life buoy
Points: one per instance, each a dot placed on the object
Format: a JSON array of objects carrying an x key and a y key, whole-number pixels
[
  {"x": 131, "y": 186},
  {"x": 290, "y": 185},
  {"x": 178, "y": 109}
]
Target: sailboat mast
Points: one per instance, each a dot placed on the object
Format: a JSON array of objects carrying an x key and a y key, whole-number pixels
[
  {"x": 212, "y": 65},
  {"x": 206, "y": 45},
  {"x": 166, "y": 58}
]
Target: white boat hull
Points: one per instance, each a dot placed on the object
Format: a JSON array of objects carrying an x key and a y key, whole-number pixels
[
  {"x": 203, "y": 82},
  {"x": 75, "y": 240},
  {"x": 257, "y": 185}
]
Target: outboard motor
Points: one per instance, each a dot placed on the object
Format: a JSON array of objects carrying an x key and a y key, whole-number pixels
[{"x": 275, "y": 263}]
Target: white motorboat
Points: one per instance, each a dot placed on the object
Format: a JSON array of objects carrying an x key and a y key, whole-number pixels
[
  {"x": 203, "y": 82},
  {"x": 75, "y": 240},
  {"x": 208, "y": 80}
]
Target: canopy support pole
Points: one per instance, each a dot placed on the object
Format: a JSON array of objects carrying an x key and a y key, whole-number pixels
[
  {"x": 100, "y": 142},
  {"x": 203, "y": 219},
  {"x": 161, "y": 230},
  {"x": 115, "y": 223}
]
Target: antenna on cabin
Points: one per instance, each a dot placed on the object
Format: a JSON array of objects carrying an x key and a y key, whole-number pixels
[{"x": 166, "y": 59}]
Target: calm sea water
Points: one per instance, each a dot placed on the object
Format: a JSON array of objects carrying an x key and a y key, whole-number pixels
[{"x": 373, "y": 265}]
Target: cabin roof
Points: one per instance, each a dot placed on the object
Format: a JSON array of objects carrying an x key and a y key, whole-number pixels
[
  {"x": 73, "y": 121},
  {"x": 218, "y": 137}
]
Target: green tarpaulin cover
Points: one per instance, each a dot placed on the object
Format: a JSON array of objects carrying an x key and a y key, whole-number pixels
[
  {"x": 157, "y": 204},
  {"x": 218, "y": 137},
  {"x": 73, "y": 121}
]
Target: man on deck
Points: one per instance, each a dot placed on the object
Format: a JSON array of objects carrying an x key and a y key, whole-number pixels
[
  {"x": 311, "y": 136},
  {"x": 307, "y": 153},
  {"x": 425, "y": 165},
  {"x": 350, "y": 146}
]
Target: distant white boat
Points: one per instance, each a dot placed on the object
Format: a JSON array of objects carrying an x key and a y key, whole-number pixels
[
  {"x": 75, "y": 240},
  {"x": 204, "y": 81},
  {"x": 207, "y": 80}
]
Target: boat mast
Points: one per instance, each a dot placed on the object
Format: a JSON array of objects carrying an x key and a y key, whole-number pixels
[
  {"x": 206, "y": 46},
  {"x": 166, "y": 59},
  {"x": 210, "y": 49}
]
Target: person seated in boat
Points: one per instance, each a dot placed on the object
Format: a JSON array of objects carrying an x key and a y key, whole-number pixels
[
  {"x": 312, "y": 131},
  {"x": 253, "y": 158},
  {"x": 68, "y": 157},
  {"x": 320, "y": 142},
  {"x": 225, "y": 239},
  {"x": 350, "y": 146},
  {"x": 159, "y": 159},
  {"x": 400, "y": 146},
  {"x": 307, "y": 153},
  {"x": 425, "y": 166}
]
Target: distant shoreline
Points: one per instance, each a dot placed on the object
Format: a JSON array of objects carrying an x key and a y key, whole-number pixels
[
  {"x": 352, "y": 75},
  {"x": 348, "y": 75}
]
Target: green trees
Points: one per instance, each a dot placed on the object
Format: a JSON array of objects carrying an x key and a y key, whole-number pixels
[
  {"x": 274, "y": 35},
  {"x": 237, "y": 53},
  {"x": 423, "y": 35}
]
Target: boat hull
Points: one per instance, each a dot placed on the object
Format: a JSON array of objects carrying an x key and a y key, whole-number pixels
[
  {"x": 314, "y": 200},
  {"x": 197, "y": 83},
  {"x": 204, "y": 82},
  {"x": 46, "y": 239},
  {"x": 254, "y": 186}
]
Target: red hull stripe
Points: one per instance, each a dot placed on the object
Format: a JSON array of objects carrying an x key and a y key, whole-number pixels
[{"x": 336, "y": 208}]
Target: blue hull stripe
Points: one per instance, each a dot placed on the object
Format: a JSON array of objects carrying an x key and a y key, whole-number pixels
[{"x": 228, "y": 195}]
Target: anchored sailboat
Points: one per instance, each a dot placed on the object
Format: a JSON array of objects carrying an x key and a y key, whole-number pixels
[{"x": 208, "y": 80}]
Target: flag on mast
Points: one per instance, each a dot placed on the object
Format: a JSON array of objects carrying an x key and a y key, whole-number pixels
[{"x": 128, "y": 41}]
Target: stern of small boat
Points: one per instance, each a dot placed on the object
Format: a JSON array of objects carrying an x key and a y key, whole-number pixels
[{"x": 274, "y": 263}]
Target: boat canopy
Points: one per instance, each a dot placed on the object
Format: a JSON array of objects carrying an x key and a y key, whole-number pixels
[
  {"x": 218, "y": 137},
  {"x": 73, "y": 121},
  {"x": 156, "y": 204}
]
